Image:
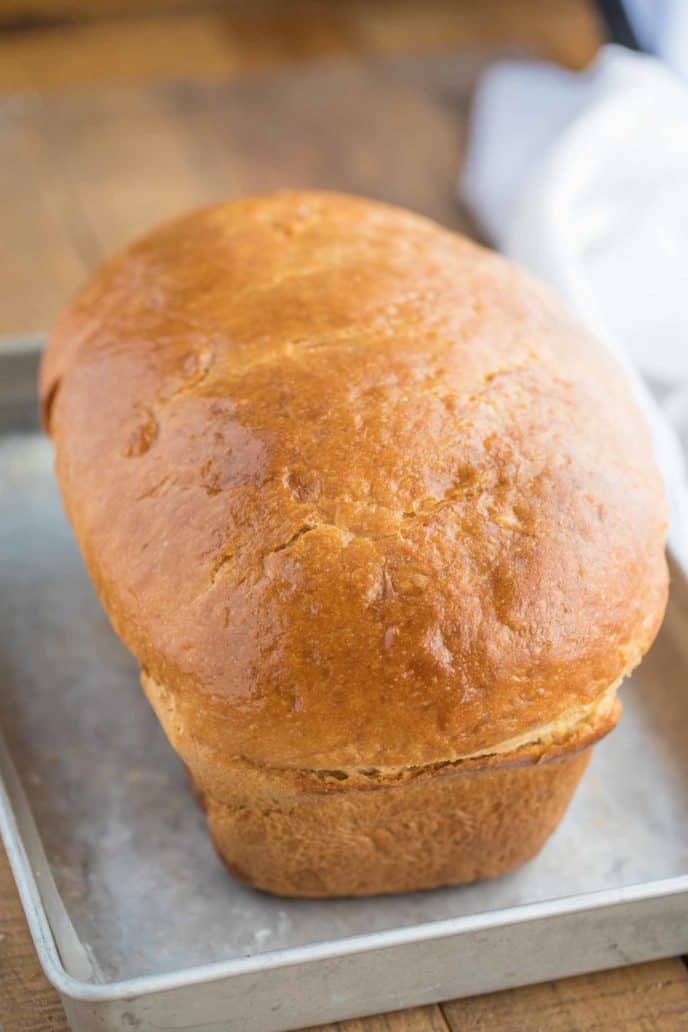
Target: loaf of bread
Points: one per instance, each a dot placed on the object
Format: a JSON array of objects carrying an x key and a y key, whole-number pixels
[{"x": 378, "y": 519}]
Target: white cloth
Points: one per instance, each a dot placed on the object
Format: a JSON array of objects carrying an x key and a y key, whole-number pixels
[
  {"x": 583, "y": 178},
  {"x": 661, "y": 26}
]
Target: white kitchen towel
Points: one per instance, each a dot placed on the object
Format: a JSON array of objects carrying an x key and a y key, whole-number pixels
[
  {"x": 661, "y": 27},
  {"x": 583, "y": 178}
]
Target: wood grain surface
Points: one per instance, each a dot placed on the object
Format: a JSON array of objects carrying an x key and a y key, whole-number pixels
[
  {"x": 77, "y": 42},
  {"x": 82, "y": 172}
]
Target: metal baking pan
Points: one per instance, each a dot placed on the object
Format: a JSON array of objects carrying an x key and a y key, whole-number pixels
[{"x": 136, "y": 922}]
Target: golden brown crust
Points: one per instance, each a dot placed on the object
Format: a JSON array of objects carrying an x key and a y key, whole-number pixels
[
  {"x": 362, "y": 832},
  {"x": 216, "y": 774},
  {"x": 455, "y": 827},
  {"x": 355, "y": 490}
]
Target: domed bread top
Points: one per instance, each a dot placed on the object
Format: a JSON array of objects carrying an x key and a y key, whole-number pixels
[{"x": 355, "y": 491}]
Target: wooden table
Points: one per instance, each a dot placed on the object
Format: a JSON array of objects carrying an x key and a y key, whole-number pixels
[{"x": 82, "y": 173}]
